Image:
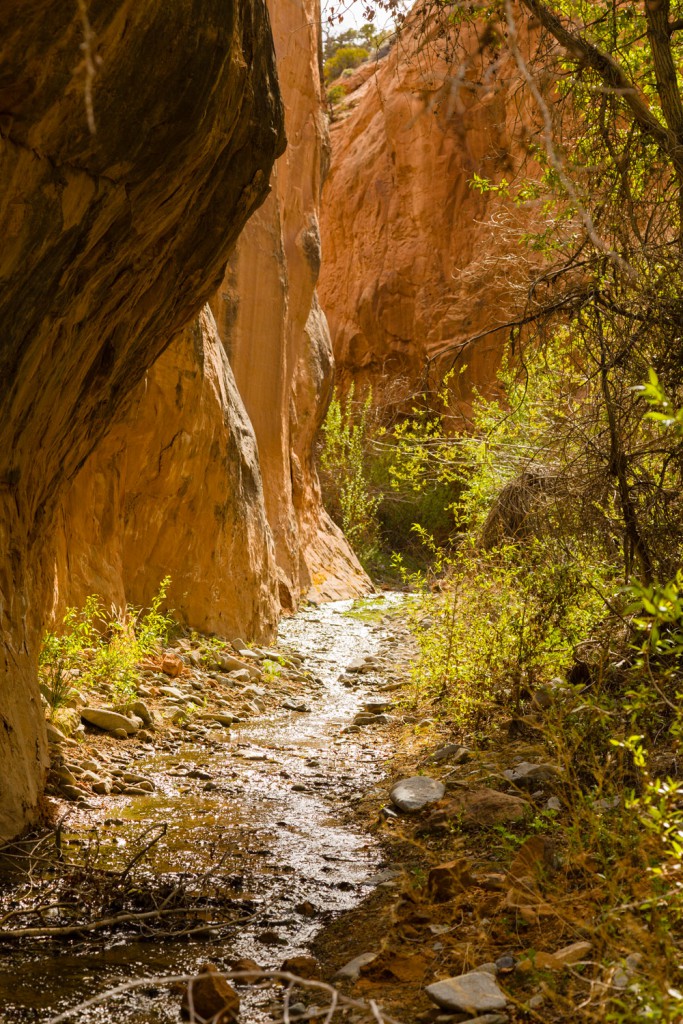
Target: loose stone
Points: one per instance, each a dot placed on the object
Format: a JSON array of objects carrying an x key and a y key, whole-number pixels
[
  {"x": 475, "y": 992},
  {"x": 413, "y": 794}
]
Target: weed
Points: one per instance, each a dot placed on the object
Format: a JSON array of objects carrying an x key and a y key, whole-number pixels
[{"x": 95, "y": 648}]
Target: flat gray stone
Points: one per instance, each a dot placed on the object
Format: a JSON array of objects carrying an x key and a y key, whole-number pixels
[
  {"x": 476, "y": 992},
  {"x": 108, "y": 720},
  {"x": 376, "y": 705},
  {"x": 412, "y": 795},
  {"x": 353, "y": 968}
]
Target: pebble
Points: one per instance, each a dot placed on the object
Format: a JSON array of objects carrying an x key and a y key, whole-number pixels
[
  {"x": 529, "y": 776},
  {"x": 411, "y": 795},
  {"x": 474, "y": 992}
]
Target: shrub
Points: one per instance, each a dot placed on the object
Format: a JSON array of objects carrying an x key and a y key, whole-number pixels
[
  {"x": 345, "y": 57},
  {"x": 94, "y": 647}
]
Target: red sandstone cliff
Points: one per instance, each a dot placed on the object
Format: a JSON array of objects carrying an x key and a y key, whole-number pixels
[
  {"x": 416, "y": 262},
  {"x": 275, "y": 334},
  {"x": 181, "y": 486}
]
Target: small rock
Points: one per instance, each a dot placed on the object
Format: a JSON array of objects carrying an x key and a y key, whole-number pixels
[
  {"x": 220, "y": 719},
  {"x": 271, "y": 938},
  {"x": 364, "y": 718},
  {"x": 230, "y": 664},
  {"x": 245, "y": 965},
  {"x": 294, "y": 705},
  {"x": 172, "y": 665},
  {"x": 572, "y": 954},
  {"x": 356, "y": 667},
  {"x": 553, "y": 804},
  {"x": 376, "y": 706},
  {"x": 529, "y": 776},
  {"x": 141, "y": 711},
  {"x": 411, "y": 795},
  {"x": 535, "y": 857},
  {"x": 197, "y": 773},
  {"x": 303, "y": 966},
  {"x": 173, "y": 691},
  {"x": 487, "y": 1018},
  {"x": 542, "y": 698},
  {"x": 352, "y": 969},
  {"x": 211, "y": 998},
  {"x": 119, "y": 734},
  {"x": 536, "y": 1002},
  {"x": 384, "y": 876},
  {"x": 102, "y": 787},
  {"x": 475, "y": 992},
  {"x": 109, "y": 721},
  {"x": 71, "y": 792},
  {"x": 54, "y": 735},
  {"x": 452, "y": 752},
  {"x": 505, "y": 964}
]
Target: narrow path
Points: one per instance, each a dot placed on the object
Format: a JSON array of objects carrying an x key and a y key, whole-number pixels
[{"x": 263, "y": 808}]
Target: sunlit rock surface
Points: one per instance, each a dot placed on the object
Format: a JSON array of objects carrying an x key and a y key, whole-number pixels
[
  {"x": 112, "y": 242},
  {"x": 416, "y": 261},
  {"x": 175, "y": 489},
  {"x": 275, "y": 334}
]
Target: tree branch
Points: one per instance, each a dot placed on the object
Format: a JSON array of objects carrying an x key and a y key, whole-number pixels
[{"x": 613, "y": 77}]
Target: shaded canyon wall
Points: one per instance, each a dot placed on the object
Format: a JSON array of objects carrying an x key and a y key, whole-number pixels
[{"x": 112, "y": 242}]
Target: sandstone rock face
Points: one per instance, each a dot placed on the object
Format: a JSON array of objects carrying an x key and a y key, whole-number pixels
[
  {"x": 276, "y": 335},
  {"x": 112, "y": 242},
  {"x": 415, "y": 260},
  {"x": 175, "y": 489}
]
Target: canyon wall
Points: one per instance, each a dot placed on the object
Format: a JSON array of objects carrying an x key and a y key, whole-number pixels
[
  {"x": 276, "y": 335},
  {"x": 129, "y": 165},
  {"x": 417, "y": 262},
  {"x": 181, "y": 487},
  {"x": 175, "y": 489}
]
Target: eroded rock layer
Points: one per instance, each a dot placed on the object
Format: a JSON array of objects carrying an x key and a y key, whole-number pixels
[
  {"x": 113, "y": 239},
  {"x": 276, "y": 335},
  {"x": 416, "y": 260}
]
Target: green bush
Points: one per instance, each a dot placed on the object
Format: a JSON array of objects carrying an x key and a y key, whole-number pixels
[
  {"x": 345, "y": 57},
  {"x": 96, "y": 647}
]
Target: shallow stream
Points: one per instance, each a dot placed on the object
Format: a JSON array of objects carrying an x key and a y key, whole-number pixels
[{"x": 271, "y": 822}]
